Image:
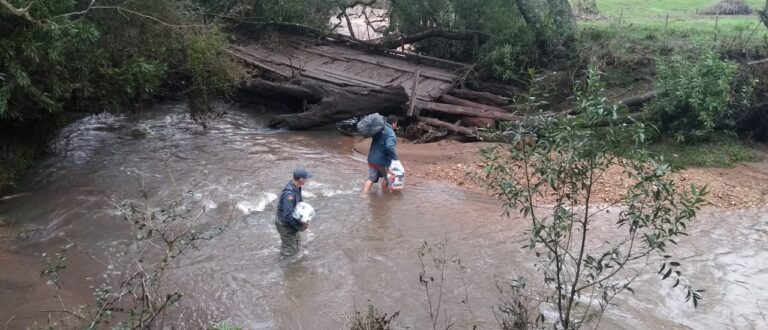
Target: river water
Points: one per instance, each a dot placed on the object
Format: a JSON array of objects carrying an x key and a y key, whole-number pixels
[{"x": 359, "y": 250}]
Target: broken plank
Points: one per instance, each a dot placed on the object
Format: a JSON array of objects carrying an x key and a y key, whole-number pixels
[{"x": 412, "y": 111}]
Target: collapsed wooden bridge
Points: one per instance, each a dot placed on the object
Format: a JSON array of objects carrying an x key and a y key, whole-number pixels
[{"x": 336, "y": 81}]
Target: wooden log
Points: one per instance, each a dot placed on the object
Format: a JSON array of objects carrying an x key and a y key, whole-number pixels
[
  {"x": 631, "y": 101},
  {"x": 450, "y": 127},
  {"x": 498, "y": 89},
  {"x": 445, "y": 98},
  {"x": 477, "y": 122},
  {"x": 339, "y": 103},
  {"x": 458, "y": 110},
  {"x": 480, "y": 97},
  {"x": 638, "y": 99}
]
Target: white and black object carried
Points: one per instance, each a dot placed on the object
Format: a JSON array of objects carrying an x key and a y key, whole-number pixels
[
  {"x": 371, "y": 125},
  {"x": 304, "y": 212},
  {"x": 396, "y": 176}
]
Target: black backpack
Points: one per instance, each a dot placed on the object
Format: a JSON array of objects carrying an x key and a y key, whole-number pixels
[{"x": 371, "y": 125}]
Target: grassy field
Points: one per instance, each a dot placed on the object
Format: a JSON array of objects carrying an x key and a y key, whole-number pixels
[
  {"x": 720, "y": 151},
  {"x": 649, "y": 17}
]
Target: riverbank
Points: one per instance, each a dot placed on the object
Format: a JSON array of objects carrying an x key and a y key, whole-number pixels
[{"x": 740, "y": 187}]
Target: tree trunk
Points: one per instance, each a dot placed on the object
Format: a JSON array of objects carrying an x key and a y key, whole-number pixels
[
  {"x": 638, "y": 99},
  {"x": 562, "y": 16}
]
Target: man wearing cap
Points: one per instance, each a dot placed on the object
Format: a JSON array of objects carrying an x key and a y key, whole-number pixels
[
  {"x": 287, "y": 226},
  {"x": 382, "y": 152}
]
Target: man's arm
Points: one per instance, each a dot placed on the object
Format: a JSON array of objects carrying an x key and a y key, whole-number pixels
[
  {"x": 391, "y": 143},
  {"x": 289, "y": 204}
]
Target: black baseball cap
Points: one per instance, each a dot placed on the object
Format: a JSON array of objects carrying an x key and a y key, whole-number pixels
[{"x": 301, "y": 172}]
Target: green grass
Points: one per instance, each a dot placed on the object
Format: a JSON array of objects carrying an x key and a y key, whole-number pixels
[
  {"x": 649, "y": 16},
  {"x": 719, "y": 151}
]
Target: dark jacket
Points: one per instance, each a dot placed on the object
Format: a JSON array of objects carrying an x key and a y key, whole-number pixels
[
  {"x": 383, "y": 151},
  {"x": 289, "y": 198}
]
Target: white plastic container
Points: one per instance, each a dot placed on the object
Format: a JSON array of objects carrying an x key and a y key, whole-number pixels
[
  {"x": 304, "y": 212},
  {"x": 396, "y": 175}
]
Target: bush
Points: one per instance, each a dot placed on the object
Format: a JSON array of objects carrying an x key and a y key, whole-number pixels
[
  {"x": 372, "y": 320},
  {"x": 696, "y": 97},
  {"x": 551, "y": 183}
]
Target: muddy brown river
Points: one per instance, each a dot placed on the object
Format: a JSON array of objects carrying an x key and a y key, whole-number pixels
[{"x": 359, "y": 250}]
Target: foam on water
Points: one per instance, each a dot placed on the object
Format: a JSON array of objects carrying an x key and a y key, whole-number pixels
[{"x": 248, "y": 207}]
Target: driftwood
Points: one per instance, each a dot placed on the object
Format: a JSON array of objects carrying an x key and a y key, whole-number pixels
[
  {"x": 480, "y": 97},
  {"x": 335, "y": 103},
  {"x": 450, "y": 127}
]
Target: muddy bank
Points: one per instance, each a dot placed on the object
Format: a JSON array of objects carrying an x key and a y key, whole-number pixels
[{"x": 741, "y": 187}]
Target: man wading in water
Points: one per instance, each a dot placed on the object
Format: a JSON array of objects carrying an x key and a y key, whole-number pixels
[
  {"x": 382, "y": 153},
  {"x": 287, "y": 226}
]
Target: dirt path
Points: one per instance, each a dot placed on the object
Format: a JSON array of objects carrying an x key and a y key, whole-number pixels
[{"x": 742, "y": 187}]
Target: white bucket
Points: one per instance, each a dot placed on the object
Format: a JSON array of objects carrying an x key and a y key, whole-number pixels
[{"x": 396, "y": 175}]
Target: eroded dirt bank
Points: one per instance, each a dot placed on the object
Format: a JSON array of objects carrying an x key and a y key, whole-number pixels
[{"x": 744, "y": 186}]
